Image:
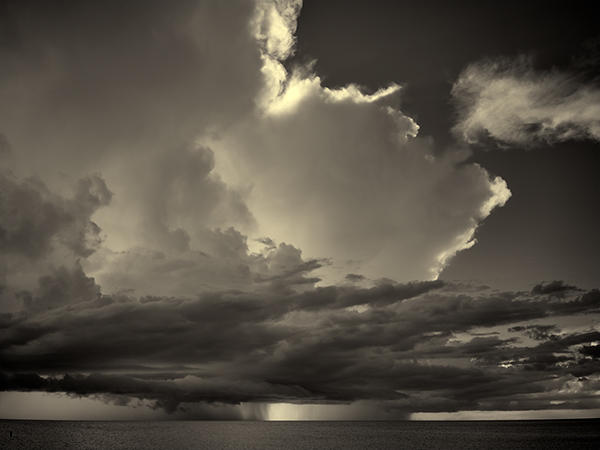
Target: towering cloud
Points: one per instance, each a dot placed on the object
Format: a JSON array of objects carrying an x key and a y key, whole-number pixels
[
  {"x": 188, "y": 221},
  {"x": 195, "y": 132},
  {"x": 342, "y": 173}
]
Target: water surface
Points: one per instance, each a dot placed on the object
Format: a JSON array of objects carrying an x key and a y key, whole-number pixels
[{"x": 550, "y": 434}]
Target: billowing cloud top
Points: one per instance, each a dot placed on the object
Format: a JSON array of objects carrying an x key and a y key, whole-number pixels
[{"x": 182, "y": 220}]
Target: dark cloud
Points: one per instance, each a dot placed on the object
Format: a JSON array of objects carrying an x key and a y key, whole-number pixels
[
  {"x": 167, "y": 393},
  {"x": 44, "y": 236},
  {"x": 591, "y": 350},
  {"x": 400, "y": 348},
  {"x": 63, "y": 286},
  {"x": 537, "y": 332},
  {"x": 556, "y": 287},
  {"x": 354, "y": 277},
  {"x": 33, "y": 219}
]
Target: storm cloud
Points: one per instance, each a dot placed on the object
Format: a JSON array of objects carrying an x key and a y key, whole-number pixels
[
  {"x": 187, "y": 222},
  {"x": 405, "y": 347},
  {"x": 196, "y": 125}
]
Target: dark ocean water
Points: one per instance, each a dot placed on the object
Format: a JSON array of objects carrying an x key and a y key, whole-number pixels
[{"x": 567, "y": 434}]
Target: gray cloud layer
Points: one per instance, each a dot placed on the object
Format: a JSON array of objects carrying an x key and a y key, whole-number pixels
[{"x": 400, "y": 348}]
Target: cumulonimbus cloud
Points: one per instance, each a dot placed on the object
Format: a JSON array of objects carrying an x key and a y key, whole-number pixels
[
  {"x": 235, "y": 187},
  {"x": 510, "y": 102},
  {"x": 343, "y": 174},
  {"x": 338, "y": 173}
]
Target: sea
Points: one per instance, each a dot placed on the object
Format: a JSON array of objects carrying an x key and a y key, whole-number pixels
[{"x": 528, "y": 434}]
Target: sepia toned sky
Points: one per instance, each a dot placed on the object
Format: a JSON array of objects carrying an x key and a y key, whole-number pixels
[
  {"x": 269, "y": 210},
  {"x": 549, "y": 223}
]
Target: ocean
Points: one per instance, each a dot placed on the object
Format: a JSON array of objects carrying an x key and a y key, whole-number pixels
[{"x": 543, "y": 434}]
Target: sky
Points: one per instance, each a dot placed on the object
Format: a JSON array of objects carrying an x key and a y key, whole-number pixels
[{"x": 276, "y": 210}]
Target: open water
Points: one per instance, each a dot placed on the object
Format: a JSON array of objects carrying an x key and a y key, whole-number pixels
[{"x": 547, "y": 435}]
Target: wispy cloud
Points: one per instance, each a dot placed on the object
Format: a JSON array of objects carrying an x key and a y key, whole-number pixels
[{"x": 511, "y": 102}]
